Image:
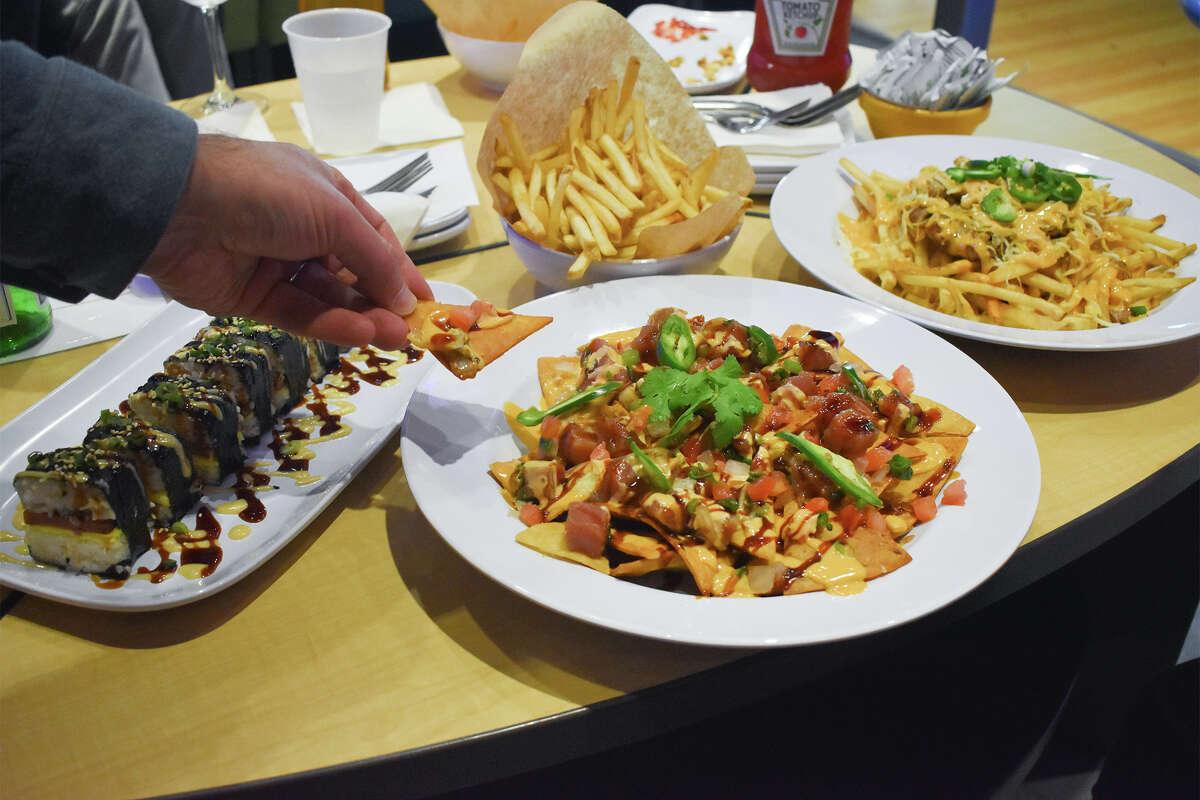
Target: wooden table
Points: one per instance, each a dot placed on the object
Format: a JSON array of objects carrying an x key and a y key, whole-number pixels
[{"x": 369, "y": 638}]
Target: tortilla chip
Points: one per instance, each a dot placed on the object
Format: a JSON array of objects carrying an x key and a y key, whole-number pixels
[
  {"x": 877, "y": 551},
  {"x": 556, "y": 73},
  {"x": 486, "y": 344},
  {"x": 559, "y": 377},
  {"x": 510, "y": 21},
  {"x": 527, "y": 435},
  {"x": 951, "y": 422},
  {"x": 550, "y": 539},
  {"x": 692, "y": 234},
  {"x": 938, "y": 450},
  {"x": 644, "y": 566}
]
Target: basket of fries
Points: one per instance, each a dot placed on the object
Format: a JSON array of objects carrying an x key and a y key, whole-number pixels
[{"x": 598, "y": 163}]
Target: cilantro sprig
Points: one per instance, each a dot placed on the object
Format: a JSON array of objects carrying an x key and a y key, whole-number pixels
[{"x": 678, "y": 396}]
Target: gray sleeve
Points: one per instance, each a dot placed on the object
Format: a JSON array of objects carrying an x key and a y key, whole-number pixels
[{"x": 90, "y": 174}]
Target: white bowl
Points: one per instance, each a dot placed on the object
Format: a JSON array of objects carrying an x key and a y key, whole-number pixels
[
  {"x": 550, "y": 266},
  {"x": 493, "y": 63}
]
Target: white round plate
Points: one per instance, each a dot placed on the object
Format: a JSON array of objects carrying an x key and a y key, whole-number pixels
[
  {"x": 730, "y": 28},
  {"x": 455, "y": 429},
  {"x": 441, "y": 230},
  {"x": 806, "y": 204}
]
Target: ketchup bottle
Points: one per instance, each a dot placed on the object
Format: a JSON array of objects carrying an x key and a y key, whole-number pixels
[{"x": 800, "y": 42}]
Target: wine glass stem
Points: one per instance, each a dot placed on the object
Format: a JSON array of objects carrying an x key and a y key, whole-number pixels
[{"x": 222, "y": 96}]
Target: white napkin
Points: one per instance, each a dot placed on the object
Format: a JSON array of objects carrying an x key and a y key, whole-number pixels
[
  {"x": 402, "y": 211},
  {"x": 96, "y": 319},
  {"x": 450, "y": 174},
  {"x": 778, "y": 146},
  {"x": 242, "y": 120},
  {"x": 412, "y": 113}
]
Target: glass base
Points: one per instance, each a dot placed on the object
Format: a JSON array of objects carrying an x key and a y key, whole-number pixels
[{"x": 201, "y": 107}]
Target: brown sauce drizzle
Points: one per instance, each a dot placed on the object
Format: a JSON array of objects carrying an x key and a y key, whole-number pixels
[
  {"x": 210, "y": 555},
  {"x": 247, "y": 480},
  {"x": 374, "y": 374},
  {"x": 938, "y": 475}
]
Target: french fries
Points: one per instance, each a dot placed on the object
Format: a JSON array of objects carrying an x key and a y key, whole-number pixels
[
  {"x": 608, "y": 181},
  {"x": 1056, "y": 267}
]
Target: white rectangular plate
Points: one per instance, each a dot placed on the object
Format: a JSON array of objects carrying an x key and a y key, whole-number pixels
[{"x": 62, "y": 418}]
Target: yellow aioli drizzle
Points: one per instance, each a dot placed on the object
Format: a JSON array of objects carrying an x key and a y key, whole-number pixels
[
  {"x": 301, "y": 477},
  {"x": 191, "y": 571},
  {"x": 840, "y": 573},
  {"x": 231, "y": 507},
  {"x": 19, "y": 517},
  {"x": 9, "y": 536},
  {"x": 239, "y": 531},
  {"x": 5, "y": 558}
]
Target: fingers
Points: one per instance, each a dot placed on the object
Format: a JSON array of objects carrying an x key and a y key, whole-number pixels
[
  {"x": 319, "y": 304},
  {"x": 391, "y": 288}
]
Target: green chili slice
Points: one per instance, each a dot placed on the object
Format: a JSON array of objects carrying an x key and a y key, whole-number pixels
[
  {"x": 837, "y": 467},
  {"x": 630, "y": 357},
  {"x": 1065, "y": 187},
  {"x": 676, "y": 348},
  {"x": 655, "y": 475},
  {"x": 1027, "y": 190},
  {"x": 856, "y": 383},
  {"x": 762, "y": 346},
  {"x": 533, "y": 416},
  {"x": 997, "y": 206},
  {"x": 1137, "y": 311}
]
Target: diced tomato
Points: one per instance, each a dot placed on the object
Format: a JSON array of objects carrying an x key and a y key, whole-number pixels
[
  {"x": 599, "y": 453},
  {"x": 903, "y": 378},
  {"x": 828, "y": 384},
  {"x": 778, "y": 417},
  {"x": 530, "y": 514},
  {"x": 587, "y": 528},
  {"x": 850, "y": 517},
  {"x": 955, "y": 494},
  {"x": 805, "y": 382},
  {"x": 875, "y": 520},
  {"x": 817, "y": 505},
  {"x": 769, "y": 485},
  {"x": 876, "y": 457},
  {"x": 691, "y": 448},
  {"x": 463, "y": 317},
  {"x": 721, "y": 491},
  {"x": 551, "y": 427},
  {"x": 482, "y": 308},
  {"x": 924, "y": 508},
  {"x": 637, "y": 420}
]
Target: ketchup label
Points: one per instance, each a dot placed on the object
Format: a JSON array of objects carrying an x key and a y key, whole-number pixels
[{"x": 800, "y": 27}]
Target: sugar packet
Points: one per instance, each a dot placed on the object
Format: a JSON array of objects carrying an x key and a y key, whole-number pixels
[{"x": 933, "y": 70}]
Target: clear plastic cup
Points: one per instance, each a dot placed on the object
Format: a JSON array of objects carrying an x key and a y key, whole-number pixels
[{"x": 340, "y": 55}]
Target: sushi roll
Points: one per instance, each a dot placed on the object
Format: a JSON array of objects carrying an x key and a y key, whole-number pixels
[
  {"x": 201, "y": 415},
  {"x": 241, "y": 369},
  {"x": 323, "y": 358},
  {"x": 159, "y": 457},
  {"x": 84, "y": 511},
  {"x": 287, "y": 356}
]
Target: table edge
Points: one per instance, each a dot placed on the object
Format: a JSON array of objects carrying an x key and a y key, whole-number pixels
[{"x": 580, "y": 732}]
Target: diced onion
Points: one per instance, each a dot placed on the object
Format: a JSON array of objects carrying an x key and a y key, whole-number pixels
[
  {"x": 763, "y": 577},
  {"x": 736, "y": 470}
]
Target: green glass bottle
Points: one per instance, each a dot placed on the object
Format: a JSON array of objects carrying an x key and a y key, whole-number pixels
[{"x": 24, "y": 319}]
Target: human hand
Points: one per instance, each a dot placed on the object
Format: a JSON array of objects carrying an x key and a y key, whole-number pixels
[{"x": 271, "y": 232}]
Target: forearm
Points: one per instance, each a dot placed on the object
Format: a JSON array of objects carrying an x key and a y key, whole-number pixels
[{"x": 90, "y": 172}]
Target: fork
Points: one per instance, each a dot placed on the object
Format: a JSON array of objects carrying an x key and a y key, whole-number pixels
[
  {"x": 716, "y": 110},
  {"x": 739, "y": 121},
  {"x": 404, "y": 177}
]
